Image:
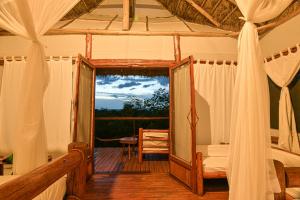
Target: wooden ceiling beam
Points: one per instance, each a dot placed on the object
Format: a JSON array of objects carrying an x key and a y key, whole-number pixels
[
  {"x": 203, "y": 12},
  {"x": 232, "y": 1},
  {"x": 144, "y": 33},
  {"x": 215, "y": 7},
  {"x": 203, "y": 3},
  {"x": 229, "y": 14}
]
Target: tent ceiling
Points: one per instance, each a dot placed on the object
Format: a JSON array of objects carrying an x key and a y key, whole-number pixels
[
  {"x": 196, "y": 16},
  {"x": 224, "y": 12}
]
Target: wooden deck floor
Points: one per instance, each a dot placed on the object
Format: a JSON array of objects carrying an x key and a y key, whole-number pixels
[
  {"x": 150, "y": 180},
  {"x": 111, "y": 160},
  {"x": 142, "y": 186}
]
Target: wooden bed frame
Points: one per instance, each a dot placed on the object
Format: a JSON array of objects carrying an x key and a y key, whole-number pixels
[
  {"x": 287, "y": 176},
  {"x": 141, "y": 150}
]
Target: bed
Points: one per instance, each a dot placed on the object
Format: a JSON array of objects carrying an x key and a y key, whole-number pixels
[
  {"x": 213, "y": 162},
  {"x": 152, "y": 141}
]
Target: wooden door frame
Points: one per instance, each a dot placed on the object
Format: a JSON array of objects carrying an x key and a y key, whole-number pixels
[
  {"x": 90, "y": 159},
  {"x": 181, "y": 166}
]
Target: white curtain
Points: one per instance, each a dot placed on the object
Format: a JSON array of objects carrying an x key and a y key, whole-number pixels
[
  {"x": 31, "y": 19},
  {"x": 57, "y": 105},
  {"x": 9, "y": 99},
  {"x": 215, "y": 84},
  {"x": 251, "y": 173},
  {"x": 182, "y": 113},
  {"x": 282, "y": 71}
]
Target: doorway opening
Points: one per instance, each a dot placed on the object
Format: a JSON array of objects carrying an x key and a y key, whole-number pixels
[{"x": 127, "y": 99}]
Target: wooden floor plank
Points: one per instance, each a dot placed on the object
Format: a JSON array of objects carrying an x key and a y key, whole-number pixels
[
  {"x": 142, "y": 186},
  {"x": 111, "y": 160}
]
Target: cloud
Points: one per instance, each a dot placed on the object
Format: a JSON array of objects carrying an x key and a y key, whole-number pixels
[
  {"x": 163, "y": 80},
  {"x": 128, "y": 84},
  {"x": 106, "y": 80},
  {"x": 148, "y": 85}
]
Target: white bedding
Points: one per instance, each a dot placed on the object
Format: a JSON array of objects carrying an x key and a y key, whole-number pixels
[
  {"x": 293, "y": 192},
  {"x": 54, "y": 192},
  {"x": 215, "y": 157}
]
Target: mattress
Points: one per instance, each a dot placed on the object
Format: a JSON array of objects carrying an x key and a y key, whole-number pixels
[
  {"x": 293, "y": 192},
  {"x": 215, "y": 157},
  {"x": 56, "y": 191},
  {"x": 287, "y": 159}
]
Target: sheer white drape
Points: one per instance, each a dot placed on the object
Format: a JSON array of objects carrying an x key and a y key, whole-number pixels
[
  {"x": 215, "y": 84},
  {"x": 182, "y": 113},
  {"x": 9, "y": 99},
  {"x": 31, "y": 19},
  {"x": 57, "y": 106},
  {"x": 282, "y": 71},
  {"x": 251, "y": 173}
]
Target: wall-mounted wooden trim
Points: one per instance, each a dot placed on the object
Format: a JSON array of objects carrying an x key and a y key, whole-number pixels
[{"x": 120, "y": 63}]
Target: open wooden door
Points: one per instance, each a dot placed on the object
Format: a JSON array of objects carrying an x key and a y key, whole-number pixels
[
  {"x": 84, "y": 108},
  {"x": 182, "y": 123}
]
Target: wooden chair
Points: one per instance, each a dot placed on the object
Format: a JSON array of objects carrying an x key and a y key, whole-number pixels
[{"x": 152, "y": 141}]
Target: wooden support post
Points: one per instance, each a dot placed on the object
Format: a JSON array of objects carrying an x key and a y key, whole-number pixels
[
  {"x": 88, "y": 47},
  {"x": 177, "y": 51},
  {"x": 126, "y": 8},
  {"x": 76, "y": 181},
  {"x": 140, "y": 143},
  {"x": 200, "y": 187}
]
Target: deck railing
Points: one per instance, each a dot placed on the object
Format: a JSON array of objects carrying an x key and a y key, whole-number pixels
[{"x": 133, "y": 119}]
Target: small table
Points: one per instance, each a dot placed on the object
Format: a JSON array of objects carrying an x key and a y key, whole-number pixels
[{"x": 128, "y": 141}]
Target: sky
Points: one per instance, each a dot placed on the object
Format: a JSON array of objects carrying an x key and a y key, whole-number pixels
[{"x": 112, "y": 91}]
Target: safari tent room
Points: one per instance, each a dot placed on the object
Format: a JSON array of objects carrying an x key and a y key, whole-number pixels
[{"x": 231, "y": 120}]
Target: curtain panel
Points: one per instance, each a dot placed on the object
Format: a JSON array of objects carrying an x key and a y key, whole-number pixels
[
  {"x": 214, "y": 83},
  {"x": 282, "y": 71},
  {"x": 31, "y": 19},
  {"x": 251, "y": 172},
  {"x": 56, "y": 104}
]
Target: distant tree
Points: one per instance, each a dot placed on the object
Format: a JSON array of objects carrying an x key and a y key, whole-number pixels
[
  {"x": 159, "y": 101},
  {"x": 134, "y": 103}
]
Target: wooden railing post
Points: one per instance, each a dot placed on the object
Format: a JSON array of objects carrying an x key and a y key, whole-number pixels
[{"x": 76, "y": 181}]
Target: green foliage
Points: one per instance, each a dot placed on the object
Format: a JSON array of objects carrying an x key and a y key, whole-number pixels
[{"x": 155, "y": 106}]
